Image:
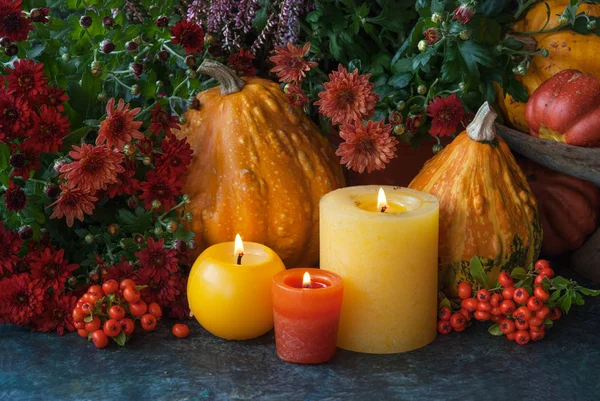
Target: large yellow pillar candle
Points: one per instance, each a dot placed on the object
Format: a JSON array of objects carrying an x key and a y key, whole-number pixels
[{"x": 387, "y": 254}]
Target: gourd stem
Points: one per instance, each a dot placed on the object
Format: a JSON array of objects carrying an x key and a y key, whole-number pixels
[
  {"x": 229, "y": 80},
  {"x": 482, "y": 127}
]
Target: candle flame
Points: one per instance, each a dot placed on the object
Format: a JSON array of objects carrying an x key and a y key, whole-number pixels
[
  {"x": 381, "y": 201},
  {"x": 306, "y": 280},
  {"x": 239, "y": 246}
]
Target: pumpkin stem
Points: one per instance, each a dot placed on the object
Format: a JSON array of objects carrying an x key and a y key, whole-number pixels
[
  {"x": 482, "y": 127},
  {"x": 229, "y": 80}
]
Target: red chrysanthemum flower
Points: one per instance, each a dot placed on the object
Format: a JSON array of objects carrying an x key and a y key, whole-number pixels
[
  {"x": 50, "y": 128},
  {"x": 119, "y": 271},
  {"x": 188, "y": 35},
  {"x": 161, "y": 188},
  {"x": 180, "y": 309},
  {"x": 162, "y": 291},
  {"x": 9, "y": 249},
  {"x": 26, "y": 79},
  {"x": 23, "y": 265},
  {"x": 15, "y": 198},
  {"x": 54, "y": 97},
  {"x": 395, "y": 118},
  {"x": 14, "y": 24},
  {"x": 290, "y": 65},
  {"x": 368, "y": 147},
  {"x": 241, "y": 62},
  {"x": 31, "y": 161},
  {"x": 15, "y": 116},
  {"x": 125, "y": 183},
  {"x": 162, "y": 120},
  {"x": 73, "y": 203},
  {"x": 463, "y": 13},
  {"x": 58, "y": 315},
  {"x": 157, "y": 260},
  {"x": 414, "y": 122},
  {"x": 93, "y": 167},
  {"x": 51, "y": 269},
  {"x": 21, "y": 298},
  {"x": 176, "y": 156},
  {"x": 295, "y": 95},
  {"x": 446, "y": 114},
  {"x": 119, "y": 128},
  {"x": 431, "y": 35},
  {"x": 145, "y": 146},
  {"x": 347, "y": 97}
]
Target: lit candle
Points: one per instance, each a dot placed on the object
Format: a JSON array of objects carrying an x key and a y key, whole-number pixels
[
  {"x": 306, "y": 310},
  {"x": 384, "y": 243},
  {"x": 229, "y": 289}
]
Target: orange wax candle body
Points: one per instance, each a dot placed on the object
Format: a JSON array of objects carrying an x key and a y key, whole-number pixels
[{"x": 306, "y": 319}]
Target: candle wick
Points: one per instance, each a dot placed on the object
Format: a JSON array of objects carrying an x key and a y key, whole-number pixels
[
  {"x": 239, "y": 260},
  {"x": 306, "y": 285},
  {"x": 383, "y": 208}
]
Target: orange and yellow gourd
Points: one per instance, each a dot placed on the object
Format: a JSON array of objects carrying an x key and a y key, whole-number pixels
[
  {"x": 486, "y": 206},
  {"x": 259, "y": 168}
]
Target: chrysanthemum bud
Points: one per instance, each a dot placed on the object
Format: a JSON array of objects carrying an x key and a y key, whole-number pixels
[
  {"x": 85, "y": 21},
  {"x": 162, "y": 21},
  {"x": 108, "y": 21}
]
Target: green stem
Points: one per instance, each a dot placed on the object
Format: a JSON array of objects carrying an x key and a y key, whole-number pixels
[
  {"x": 162, "y": 216},
  {"x": 38, "y": 181},
  {"x": 91, "y": 39},
  {"x": 523, "y": 7},
  {"x": 173, "y": 52},
  {"x": 179, "y": 86},
  {"x": 118, "y": 80},
  {"x": 147, "y": 109}
]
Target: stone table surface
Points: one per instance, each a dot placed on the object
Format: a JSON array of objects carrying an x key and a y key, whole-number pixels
[{"x": 157, "y": 366}]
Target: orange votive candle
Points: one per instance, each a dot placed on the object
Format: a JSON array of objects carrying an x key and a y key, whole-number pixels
[{"x": 306, "y": 314}]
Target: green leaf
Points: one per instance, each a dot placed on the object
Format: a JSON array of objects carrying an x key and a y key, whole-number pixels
[
  {"x": 555, "y": 296},
  {"x": 88, "y": 319},
  {"x": 518, "y": 273},
  {"x": 495, "y": 330},
  {"x": 445, "y": 302},
  {"x": 473, "y": 54},
  {"x": 91, "y": 122},
  {"x": 548, "y": 323},
  {"x": 565, "y": 302},
  {"x": 141, "y": 221},
  {"x": 477, "y": 272},
  {"x": 400, "y": 80},
  {"x": 578, "y": 300},
  {"x": 587, "y": 291},
  {"x": 560, "y": 282},
  {"x": 437, "y": 6},
  {"x": 120, "y": 339},
  {"x": 184, "y": 235},
  {"x": 4, "y": 155}
]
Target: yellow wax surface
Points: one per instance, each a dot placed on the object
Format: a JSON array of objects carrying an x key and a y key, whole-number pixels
[
  {"x": 388, "y": 262},
  {"x": 234, "y": 301}
]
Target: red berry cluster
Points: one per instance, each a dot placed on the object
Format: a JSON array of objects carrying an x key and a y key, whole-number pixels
[
  {"x": 521, "y": 316},
  {"x": 111, "y": 310}
]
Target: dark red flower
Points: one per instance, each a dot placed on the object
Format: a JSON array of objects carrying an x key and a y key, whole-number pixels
[
  {"x": 15, "y": 116},
  {"x": 58, "y": 315},
  {"x": 23, "y": 265},
  {"x": 50, "y": 128},
  {"x": 188, "y": 35},
  {"x": 51, "y": 269},
  {"x": 176, "y": 156},
  {"x": 21, "y": 298},
  {"x": 15, "y": 198},
  {"x": 145, "y": 146},
  {"x": 119, "y": 271},
  {"x": 162, "y": 291},
  {"x": 125, "y": 184},
  {"x": 72, "y": 204},
  {"x": 14, "y": 24},
  {"x": 54, "y": 97},
  {"x": 93, "y": 167},
  {"x": 31, "y": 161},
  {"x": 160, "y": 188},
  {"x": 295, "y": 95},
  {"x": 241, "y": 63},
  {"x": 180, "y": 309},
  {"x": 463, "y": 13},
  {"x": 158, "y": 261},
  {"x": 119, "y": 127},
  {"x": 10, "y": 245},
  {"x": 162, "y": 120},
  {"x": 446, "y": 113},
  {"x": 414, "y": 122},
  {"x": 431, "y": 35},
  {"x": 26, "y": 79}
]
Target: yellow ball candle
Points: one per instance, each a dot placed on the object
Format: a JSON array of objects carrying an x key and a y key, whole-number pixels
[
  {"x": 229, "y": 289},
  {"x": 384, "y": 245}
]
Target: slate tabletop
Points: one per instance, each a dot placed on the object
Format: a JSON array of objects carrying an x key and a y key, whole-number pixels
[{"x": 471, "y": 365}]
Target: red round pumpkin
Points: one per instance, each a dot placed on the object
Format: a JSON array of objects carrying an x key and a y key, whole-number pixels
[
  {"x": 566, "y": 108},
  {"x": 568, "y": 207}
]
